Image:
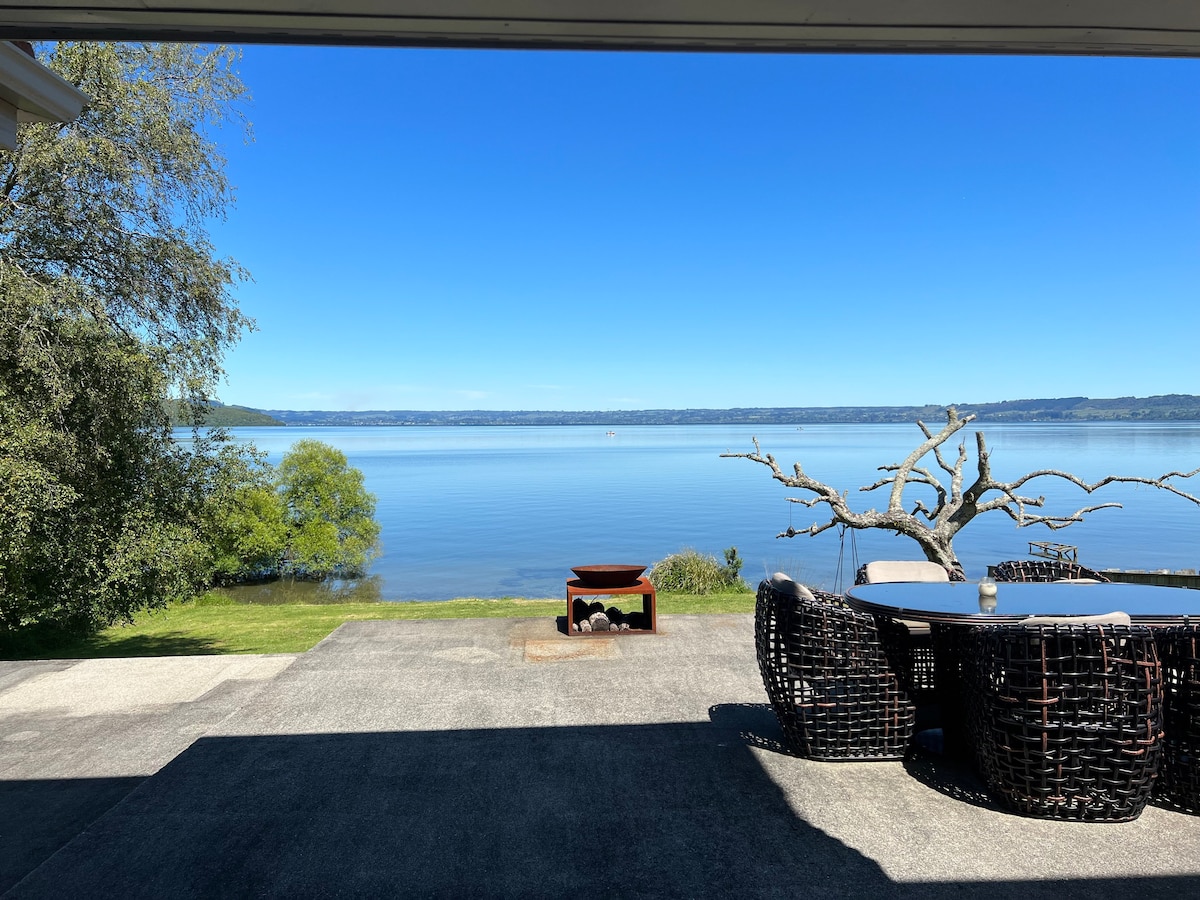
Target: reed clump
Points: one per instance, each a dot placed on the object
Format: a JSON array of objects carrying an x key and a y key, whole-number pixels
[{"x": 692, "y": 572}]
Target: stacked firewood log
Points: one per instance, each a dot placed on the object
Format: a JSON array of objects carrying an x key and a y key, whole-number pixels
[{"x": 589, "y": 617}]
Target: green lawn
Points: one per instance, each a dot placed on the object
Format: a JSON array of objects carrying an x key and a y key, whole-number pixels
[{"x": 213, "y": 625}]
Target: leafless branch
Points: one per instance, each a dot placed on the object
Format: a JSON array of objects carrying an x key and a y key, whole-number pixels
[{"x": 956, "y": 506}]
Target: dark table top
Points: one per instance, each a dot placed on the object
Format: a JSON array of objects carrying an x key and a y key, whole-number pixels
[{"x": 958, "y": 602}]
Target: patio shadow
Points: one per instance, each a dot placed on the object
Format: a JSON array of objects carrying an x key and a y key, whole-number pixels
[
  {"x": 671, "y": 810},
  {"x": 171, "y": 644},
  {"x": 41, "y": 816}
]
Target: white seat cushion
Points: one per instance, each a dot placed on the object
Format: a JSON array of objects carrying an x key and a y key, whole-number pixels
[
  {"x": 1112, "y": 618},
  {"x": 914, "y": 627},
  {"x": 885, "y": 570}
]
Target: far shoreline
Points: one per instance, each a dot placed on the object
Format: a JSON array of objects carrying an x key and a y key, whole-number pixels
[{"x": 1163, "y": 408}]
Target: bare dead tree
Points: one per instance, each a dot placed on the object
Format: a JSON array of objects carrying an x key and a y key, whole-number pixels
[{"x": 934, "y": 529}]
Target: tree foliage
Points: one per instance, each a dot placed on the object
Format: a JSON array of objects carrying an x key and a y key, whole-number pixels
[
  {"x": 107, "y": 214},
  {"x": 309, "y": 518},
  {"x": 956, "y": 504},
  {"x": 244, "y": 518},
  {"x": 331, "y": 516},
  {"x": 95, "y": 510},
  {"x": 111, "y": 299}
]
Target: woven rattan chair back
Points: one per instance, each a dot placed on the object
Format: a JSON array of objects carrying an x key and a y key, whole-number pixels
[
  {"x": 909, "y": 653},
  {"x": 911, "y": 657},
  {"x": 1179, "y": 782},
  {"x": 828, "y": 679},
  {"x": 1043, "y": 570},
  {"x": 1066, "y": 720}
]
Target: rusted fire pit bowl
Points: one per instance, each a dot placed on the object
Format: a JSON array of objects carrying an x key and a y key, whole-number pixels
[{"x": 609, "y": 576}]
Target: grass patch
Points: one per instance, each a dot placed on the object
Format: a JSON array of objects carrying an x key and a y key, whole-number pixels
[{"x": 213, "y": 625}]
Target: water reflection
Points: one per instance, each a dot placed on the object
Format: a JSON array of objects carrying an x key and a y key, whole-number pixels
[{"x": 286, "y": 590}]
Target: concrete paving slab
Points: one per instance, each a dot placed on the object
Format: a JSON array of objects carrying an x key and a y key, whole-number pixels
[
  {"x": 76, "y": 736},
  {"x": 108, "y": 686},
  {"x": 478, "y": 758}
]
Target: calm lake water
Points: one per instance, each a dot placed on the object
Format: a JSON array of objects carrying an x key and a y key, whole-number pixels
[{"x": 506, "y": 511}]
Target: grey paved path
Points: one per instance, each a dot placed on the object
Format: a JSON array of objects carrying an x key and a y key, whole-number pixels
[{"x": 499, "y": 758}]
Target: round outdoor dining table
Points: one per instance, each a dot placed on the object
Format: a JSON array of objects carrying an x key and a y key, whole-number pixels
[
  {"x": 958, "y": 603},
  {"x": 951, "y": 608}
]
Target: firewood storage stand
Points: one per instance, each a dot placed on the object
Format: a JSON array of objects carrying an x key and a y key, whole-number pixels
[{"x": 576, "y": 588}]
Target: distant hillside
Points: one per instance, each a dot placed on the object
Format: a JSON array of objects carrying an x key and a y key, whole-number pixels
[
  {"x": 1168, "y": 407},
  {"x": 1164, "y": 407},
  {"x": 222, "y": 416}
]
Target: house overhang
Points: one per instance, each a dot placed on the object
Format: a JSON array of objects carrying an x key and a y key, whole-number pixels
[
  {"x": 29, "y": 92},
  {"x": 1092, "y": 27}
]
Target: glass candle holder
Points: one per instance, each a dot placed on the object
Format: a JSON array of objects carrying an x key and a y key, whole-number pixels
[{"x": 987, "y": 595}]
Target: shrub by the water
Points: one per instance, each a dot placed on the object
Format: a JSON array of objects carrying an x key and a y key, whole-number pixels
[
  {"x": 309, "y": 518},
  {"x": 693, "y": 572}
]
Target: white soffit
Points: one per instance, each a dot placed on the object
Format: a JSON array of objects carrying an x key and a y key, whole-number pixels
[
  {"x": 29, "y": 92},
  {"x": 1099, "y": 27}
]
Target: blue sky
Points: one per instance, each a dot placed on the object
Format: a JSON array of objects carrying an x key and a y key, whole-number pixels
[{"x": 550, "y": 230}]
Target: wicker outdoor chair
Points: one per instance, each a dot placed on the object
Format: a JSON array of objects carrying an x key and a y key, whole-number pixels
[
  {"x": 827, "y": 677},
  {"x": 1179, "y": 782},
  {"x": 909, "y": 652},
  {"x": 1044, "y": 570},
  {"x": 907, "y": 644},
  {"x": 1066, "y": 719}
]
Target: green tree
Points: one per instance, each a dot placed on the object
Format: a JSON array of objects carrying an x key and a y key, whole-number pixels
[
  {"x": 95, "y": 511},
  {"x": 331, "y": 515},
  {"x": 111, "y": 298},
  {"x": 108, "y": 213},
  {"x": 245, "y": 519}
]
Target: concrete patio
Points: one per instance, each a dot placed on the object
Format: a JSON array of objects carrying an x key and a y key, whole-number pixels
[{"x": 501, "y": 758}]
